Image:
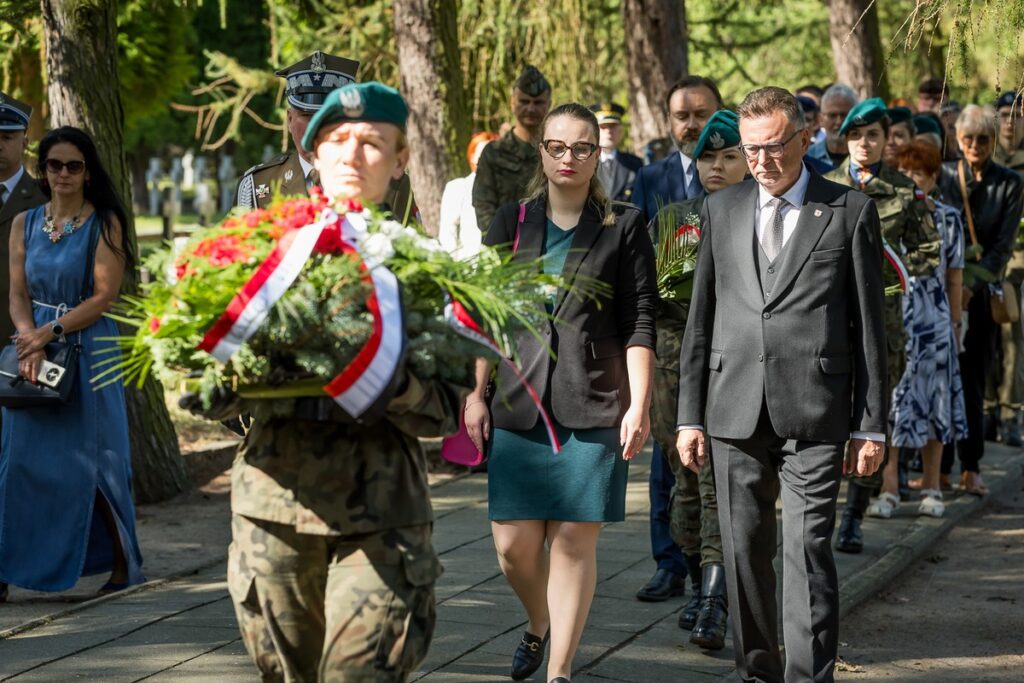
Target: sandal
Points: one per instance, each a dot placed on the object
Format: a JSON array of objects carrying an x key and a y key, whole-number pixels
[
  {"x": 972, "y": 483},
  {"x": 884, "y": 505},
  {"x": 944, "y": 483},
  {"x": 931, "y": 504}
]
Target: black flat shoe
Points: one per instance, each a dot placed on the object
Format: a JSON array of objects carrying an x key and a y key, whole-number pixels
[
  {"x": 688, "y": 617},
  {"x": 529, "y": 655},
  {"x": 662, "y": 586},
  {"x": 850, "y": 539}
]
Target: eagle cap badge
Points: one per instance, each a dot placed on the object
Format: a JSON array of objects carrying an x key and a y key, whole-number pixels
[
  {"x": 317, "y": 64},
  {"x": 351, "y": 101},
  {"x": 716, "y": 140}
]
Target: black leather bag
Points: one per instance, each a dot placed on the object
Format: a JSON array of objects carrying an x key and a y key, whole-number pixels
[{"x": 18, "y": 392}]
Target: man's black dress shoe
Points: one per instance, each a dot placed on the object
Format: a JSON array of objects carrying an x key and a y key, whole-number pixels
[
  {"x": 529, "y": 655},
  {"x": 688, "y": 617},
  {"x": 709, "y": 631},
  {"x": 850, "y": 539},
  {"x": 662, "y": 586}
]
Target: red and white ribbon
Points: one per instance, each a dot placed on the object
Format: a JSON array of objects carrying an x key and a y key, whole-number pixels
[
  {"x": 897, "y": 263},
  {"x": 462, "y": 322}
]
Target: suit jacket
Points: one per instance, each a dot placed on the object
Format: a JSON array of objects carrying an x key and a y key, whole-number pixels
[
  {"x": 659, "y": 184},
  {"x": 815, "y": 350},
  {"x": 27, "y": 195},
  {"x": 586, "y": 386},
  {"x": 625, "y": 168}
]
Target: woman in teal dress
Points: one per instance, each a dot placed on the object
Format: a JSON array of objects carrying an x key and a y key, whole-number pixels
[
  {"x": 547, "y": 509},
  {"x": 65, "y": 474}
]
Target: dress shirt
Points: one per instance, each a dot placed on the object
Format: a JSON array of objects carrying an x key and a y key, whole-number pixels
[
  {"x": 607, "y": 156},
  {"x": 794, "y": 197},
  {"x": 7, "y": 186},
  {"x": 306, "y": 168}
]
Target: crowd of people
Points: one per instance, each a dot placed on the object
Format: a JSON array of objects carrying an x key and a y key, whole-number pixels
[{"x": 847, "y": 317}]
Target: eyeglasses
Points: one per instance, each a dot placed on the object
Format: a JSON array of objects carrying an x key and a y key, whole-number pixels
[
  {"x": 979, "y": 140},
  {"x": 772, "y": 149},
  {"x": 55, "y": 166},
  {"x": 581, "y": 151}
]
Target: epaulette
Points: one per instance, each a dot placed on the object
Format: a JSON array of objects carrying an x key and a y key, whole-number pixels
[{"x": 270, "y": 163}]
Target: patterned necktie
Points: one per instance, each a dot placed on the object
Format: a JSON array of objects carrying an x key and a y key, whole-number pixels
[
  {"x": 312, "y": 179},
  {"x": 771, "y": 238}
]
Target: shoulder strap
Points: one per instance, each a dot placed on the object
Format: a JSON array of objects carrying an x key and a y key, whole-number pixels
[
  {"x": 968, "y": 214},
  {"x": 519, "y": 224}
]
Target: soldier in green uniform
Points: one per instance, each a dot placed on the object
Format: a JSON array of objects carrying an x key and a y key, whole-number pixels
[
  {"x": 908, "y": 228},
  {"x": 308, "y": 83},
  {"x": 693, "y": 506},
  {"x": 331, "y": 566},
  {"x": 507, "y": 164},
  {"x": 1009, "y": 152}
]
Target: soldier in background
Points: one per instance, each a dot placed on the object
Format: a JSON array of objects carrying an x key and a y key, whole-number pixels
[
  {"x": 308, "y": 84},
  {"x": 616, "y": 169},
  {"x": 507, "y": 164},
  {"x": 331, "y": 566}
]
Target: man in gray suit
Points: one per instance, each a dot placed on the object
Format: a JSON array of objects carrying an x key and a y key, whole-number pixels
[{"x": 783, "y": 362}]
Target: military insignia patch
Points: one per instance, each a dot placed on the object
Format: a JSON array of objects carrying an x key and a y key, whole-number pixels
[
  {"x": 716, "y": 141},
  {"x": 262, "y": 191},
  {"x": 288, "y": 175},
  {"x": 352, "y": 102}
]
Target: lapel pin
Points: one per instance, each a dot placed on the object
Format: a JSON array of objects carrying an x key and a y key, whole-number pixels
[{"x": 817, "y": 212}]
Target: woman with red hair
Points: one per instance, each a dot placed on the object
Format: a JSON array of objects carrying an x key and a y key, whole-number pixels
[{"x": 458, "y": 231}]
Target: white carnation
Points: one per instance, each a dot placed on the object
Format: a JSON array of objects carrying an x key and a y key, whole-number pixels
[{"x": 377, "y": 248}]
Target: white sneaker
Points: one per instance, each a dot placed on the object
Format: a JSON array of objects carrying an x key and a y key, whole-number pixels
[
  {"x": 931, "y": 503},
  {"x": 884, "y": 506}
]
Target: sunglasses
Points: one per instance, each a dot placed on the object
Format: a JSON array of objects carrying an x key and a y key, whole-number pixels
[
  {"x": 556, "y": 149},
  {"x": 55, "y": 166}
]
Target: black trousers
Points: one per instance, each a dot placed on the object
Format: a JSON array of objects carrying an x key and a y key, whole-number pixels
[
  {"x": 975, "y": 364},
  {"x": 751, "y": 474}
]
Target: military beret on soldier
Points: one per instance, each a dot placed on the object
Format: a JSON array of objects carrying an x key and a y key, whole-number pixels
[
  {"x": 532, "y": 82},
  {"x": 900, "y": 115},
  {"x": 864, "y": 114},
  {"x": 312, "y": 79},
  {"x": 807, "y": 104},
  {"x": 721, "y": 131},
  {"x": 1007, "y": 99},
  {"x": 928, "y": 123},
  {"x": 14, "y": 115},
  {"x": 371, "y": 101},
  {"x": 608, "y": 112}
]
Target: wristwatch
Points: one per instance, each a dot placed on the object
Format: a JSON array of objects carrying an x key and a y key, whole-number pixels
[{"x": 58, "y": 329}]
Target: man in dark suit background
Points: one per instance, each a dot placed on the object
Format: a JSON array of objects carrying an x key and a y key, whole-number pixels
[
  {"x": 616, "y": 169},
  {"x": 18, "y": 190},
  {"x": 783, "y": 361},
  {"x": 690, "y": 103}
]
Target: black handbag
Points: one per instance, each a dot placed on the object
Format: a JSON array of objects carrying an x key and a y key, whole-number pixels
[{"x": 54, "y": 389}]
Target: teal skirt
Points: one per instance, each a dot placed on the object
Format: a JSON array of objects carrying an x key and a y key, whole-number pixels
[{"x": 586, "y": 482}]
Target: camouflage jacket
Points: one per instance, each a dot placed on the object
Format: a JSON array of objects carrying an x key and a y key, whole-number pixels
[
  {"x": 505, "y": 169},
  {"x": 1015, "y": 162},
  {"x": 336, "y": 477},
  {"x": 907, "y": 223}
]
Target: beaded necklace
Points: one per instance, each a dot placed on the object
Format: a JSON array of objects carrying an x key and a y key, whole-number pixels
[{"x": 69, "y": 227}]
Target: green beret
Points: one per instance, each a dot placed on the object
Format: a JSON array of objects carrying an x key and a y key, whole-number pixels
[
  {"x": 370, "y": 101},
  {"x": 926, "y": 123},
  {"x": 864, "y": 114},
  {"x": 721, "y": 131},
  {"x": 900, "y": 114}
]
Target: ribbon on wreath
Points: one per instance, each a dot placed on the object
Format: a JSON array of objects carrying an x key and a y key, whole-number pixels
[
  {"x": 367, "y": 377},
  {"x": 897, "y": 263},
  {"x": 462, "y": 322}
]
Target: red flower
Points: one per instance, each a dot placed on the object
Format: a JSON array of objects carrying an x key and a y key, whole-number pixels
[
  {"x": 688, "y": 229},
  {"x": 223, "y": 251},
  {"x": 154, "y": 325},
  {"x": 330, "y": 241}
]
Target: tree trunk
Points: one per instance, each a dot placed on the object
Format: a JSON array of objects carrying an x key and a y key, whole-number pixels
[
  {"x": 856, "y": 46},
  {"x": 81, "y": 63},
  {"x": 430, "y": 165},
  {"x": 656, "y": 57}
]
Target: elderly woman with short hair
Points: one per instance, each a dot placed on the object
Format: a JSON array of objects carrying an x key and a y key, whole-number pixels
[{"x": 990, "y": 198}]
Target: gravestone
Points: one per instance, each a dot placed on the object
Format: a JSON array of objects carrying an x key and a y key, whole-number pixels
[
  {"x": 153, "y": 175},
  {"x": 227, "y": 178}
]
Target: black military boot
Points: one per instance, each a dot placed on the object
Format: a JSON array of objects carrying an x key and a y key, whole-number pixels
[
  {"x": 688, "y": 617},
  {"x": 709, "y": 631},
  {"x": 850, "y": 539}
]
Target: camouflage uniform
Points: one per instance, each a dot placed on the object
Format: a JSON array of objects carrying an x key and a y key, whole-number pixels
[
  {"x": 502, "y": 175},
  {"x": 908, "y": 227},
  {"x": 283, "y": 175},
  {"x": 693, "y": 506},
  {"x": 331, "y": 567},
  {"x": 1011, "y": 381}
]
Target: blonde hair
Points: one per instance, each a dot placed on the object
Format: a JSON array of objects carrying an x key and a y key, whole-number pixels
[{"x": 596, "y": 195}]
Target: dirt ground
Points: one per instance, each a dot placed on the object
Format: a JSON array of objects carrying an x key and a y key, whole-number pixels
[{"x": 956, "y": 615}]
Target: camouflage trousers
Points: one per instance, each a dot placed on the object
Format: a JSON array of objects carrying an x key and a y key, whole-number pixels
[
  {"x": 345, "y": 609},
  {"x": 1011, "y": 384},
  {"x": 693, "y": 508}
]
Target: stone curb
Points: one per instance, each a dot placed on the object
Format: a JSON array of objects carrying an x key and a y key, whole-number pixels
[{"x": 869, "y": 581}]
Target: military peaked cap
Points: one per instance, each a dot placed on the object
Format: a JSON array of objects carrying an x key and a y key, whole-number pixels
[
  {"x": 310, "y": 80},
  {"x": 608, "y": 112},
  {"x": 14, "y": 115}
]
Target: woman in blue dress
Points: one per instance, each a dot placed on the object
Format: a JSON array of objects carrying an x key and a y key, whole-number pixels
[
  {"x": 928, "y": 403},
  {"x": 547, "y": 509},
  {"x": 66, "y": 509}
]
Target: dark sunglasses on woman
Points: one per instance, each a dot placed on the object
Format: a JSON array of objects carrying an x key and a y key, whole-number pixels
[{"x": 55, "y": 166}]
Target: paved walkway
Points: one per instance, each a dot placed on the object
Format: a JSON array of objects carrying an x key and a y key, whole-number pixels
[{"x": 184, "y": 630}]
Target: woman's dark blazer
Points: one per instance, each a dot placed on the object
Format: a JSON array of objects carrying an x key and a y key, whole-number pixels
[{"x": 586, "y": 385}]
